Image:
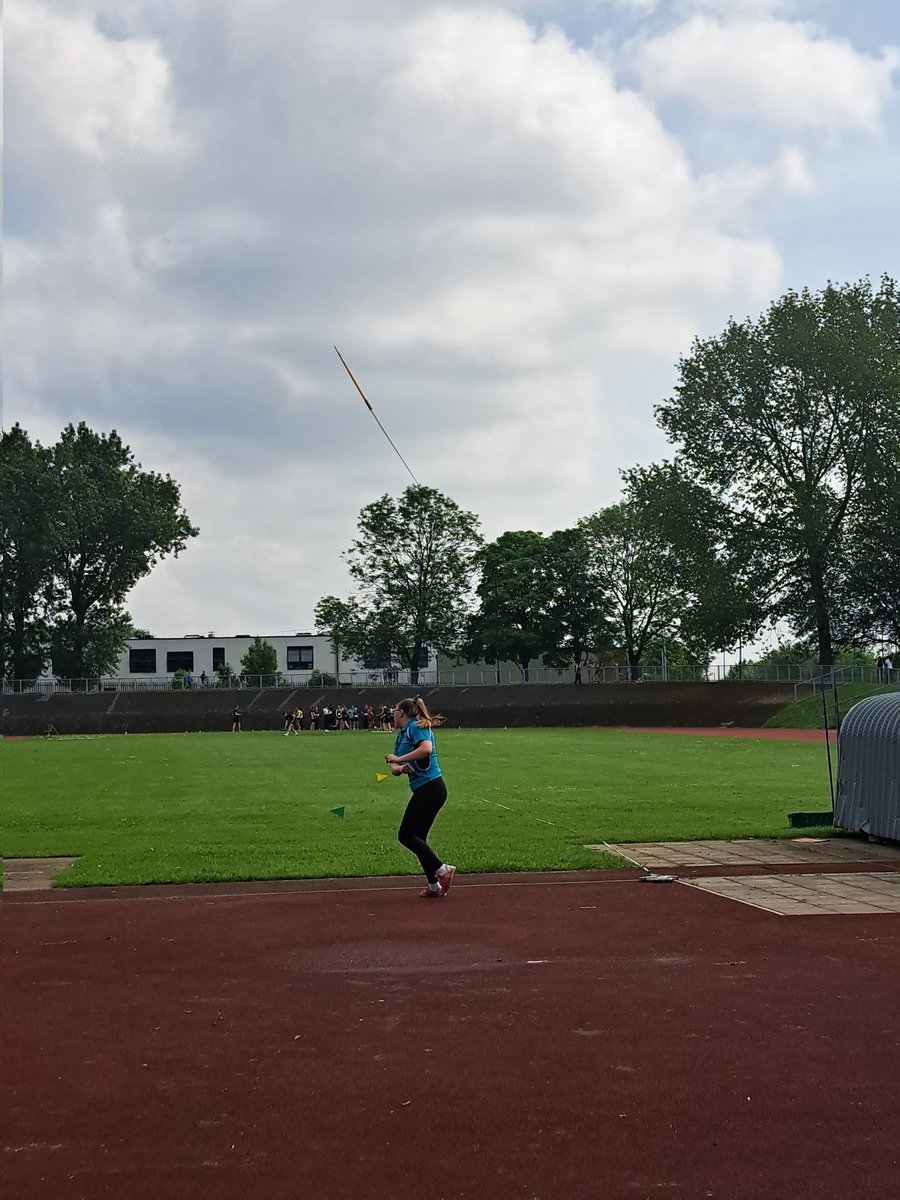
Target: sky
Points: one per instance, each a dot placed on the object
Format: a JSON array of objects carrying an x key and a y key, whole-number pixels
[{"x": 512, "y": 218}]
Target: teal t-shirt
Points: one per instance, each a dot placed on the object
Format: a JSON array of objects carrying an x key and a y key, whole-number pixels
[{"x": 425, "y": 769}]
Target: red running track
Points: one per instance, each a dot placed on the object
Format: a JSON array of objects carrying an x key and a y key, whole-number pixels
[
  {"x": 558, "y": 1039},
  {"x": 771, "y": 735}
]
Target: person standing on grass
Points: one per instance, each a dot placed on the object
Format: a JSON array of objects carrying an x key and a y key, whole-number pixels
[
  {"x": 236, "y": 715},
  {"x": 288, "y": 723},
  {"x": 415, "y": 755}
]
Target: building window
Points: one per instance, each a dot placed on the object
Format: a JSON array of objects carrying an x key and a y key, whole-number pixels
[
  {"x": 142, "y": 662},
  {"x": 299, "y": 658},
  {"x": 218, "y": 657},
  {"x": 179, "y": 660}
]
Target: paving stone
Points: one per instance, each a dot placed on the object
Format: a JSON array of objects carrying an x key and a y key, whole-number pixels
[
  {"x": 32, "y": 874},
  {"x": 810, "y": 895}
]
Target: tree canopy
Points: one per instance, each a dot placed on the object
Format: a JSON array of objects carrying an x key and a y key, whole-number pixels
[
  {"x": 793, "y": 421},
  {"x": 80, "y": 523},
  {"x": 412, "y": 565}
]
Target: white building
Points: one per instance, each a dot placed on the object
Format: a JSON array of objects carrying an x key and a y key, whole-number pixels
[{"x": 299, "y": 655}]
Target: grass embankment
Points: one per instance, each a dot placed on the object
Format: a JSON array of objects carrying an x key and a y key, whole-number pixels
[{"x": 807, "y": 714}]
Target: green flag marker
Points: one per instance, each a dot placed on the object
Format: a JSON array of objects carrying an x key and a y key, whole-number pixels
[{"x": 337, "y": 812}]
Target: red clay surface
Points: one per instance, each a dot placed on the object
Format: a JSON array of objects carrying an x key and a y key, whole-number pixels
[
  {"x": 775, "y": 735},
  {"x": 559, "y": 1039}
]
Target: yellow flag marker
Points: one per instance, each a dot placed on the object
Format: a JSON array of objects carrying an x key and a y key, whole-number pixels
[{"x": 380, "y": 778}]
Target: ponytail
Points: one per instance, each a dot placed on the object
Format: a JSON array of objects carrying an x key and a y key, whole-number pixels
[{"x": 417, "y": 709}]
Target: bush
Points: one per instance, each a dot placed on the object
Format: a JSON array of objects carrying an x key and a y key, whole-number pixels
[{"x": 322, "y": 679}]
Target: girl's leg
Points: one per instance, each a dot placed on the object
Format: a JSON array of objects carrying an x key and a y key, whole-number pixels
[{"x": 424, "y": 805}]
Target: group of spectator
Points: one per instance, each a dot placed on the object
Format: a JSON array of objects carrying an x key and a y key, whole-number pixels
[{"x": 338, "y": 719}]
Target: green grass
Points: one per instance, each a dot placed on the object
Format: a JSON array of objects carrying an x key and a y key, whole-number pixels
[
  {"x": 178, "y": 808},
  {"x": 807, "y": 714}
]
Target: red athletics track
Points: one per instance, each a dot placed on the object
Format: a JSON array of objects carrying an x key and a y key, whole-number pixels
[
  {"x": 555, "y": 1038},
  {"x": 771, "y": 735}
]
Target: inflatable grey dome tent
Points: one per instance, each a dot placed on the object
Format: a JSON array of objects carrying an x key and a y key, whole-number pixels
[{"x": 868, "y": 797}]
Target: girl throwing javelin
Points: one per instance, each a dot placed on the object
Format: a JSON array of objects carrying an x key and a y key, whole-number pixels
[{"x": 415, "y": 755}]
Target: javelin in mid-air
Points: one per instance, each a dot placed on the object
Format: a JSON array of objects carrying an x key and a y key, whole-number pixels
[{"x": 375, "y": 415}]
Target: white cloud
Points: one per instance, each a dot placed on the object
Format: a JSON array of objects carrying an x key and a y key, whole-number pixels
[
  {"x": 85, "y": 92},
  {"x": 785, "y": 72},
  {"x": 506, "y": 242}
]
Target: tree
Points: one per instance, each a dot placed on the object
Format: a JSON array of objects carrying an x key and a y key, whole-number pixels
[
  {"x": 226, "y": 675},
  {"x": 111, "y": 523},
  {"x": 261, "y": 660},
  {"x": 871, "y": 586},
  {"x": 576, "y": 615},
  {"x": 723, "y": 577},
  {"x": 791, "y": 419},
  {"x": 412, "y": 565},
  {"x": 511, "y": 622},
  {"x": 634, "y": 568},
  {"x": 25, "y": 556}
]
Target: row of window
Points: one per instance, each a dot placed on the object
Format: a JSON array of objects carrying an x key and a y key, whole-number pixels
[
  {"x": 299, "y": 658},
  {"x": 143, "y": 661}
]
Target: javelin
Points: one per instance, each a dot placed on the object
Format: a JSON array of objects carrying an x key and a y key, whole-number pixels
[{"x": 375, "y": 415}]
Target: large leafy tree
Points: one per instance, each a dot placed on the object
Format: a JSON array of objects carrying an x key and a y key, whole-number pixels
[
  {"x": 413, "y": 566},
  {"x": 576, "y": 610},
  {"x": 871, "y": 585},
  {"x": 111, "y": 523},
  {"x": 634, "y": 567},
  {"x": 514, "y": 594},
  {"x": 792, "y": 419},
  {"x": 721, "y": 573},
  {"x": 25, "y": 555}
]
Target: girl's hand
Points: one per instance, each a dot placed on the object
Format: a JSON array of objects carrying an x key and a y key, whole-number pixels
[{"x": 392, "y": 760}]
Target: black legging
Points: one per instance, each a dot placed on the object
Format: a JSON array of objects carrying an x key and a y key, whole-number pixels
[{"x": 424, "y": 805}]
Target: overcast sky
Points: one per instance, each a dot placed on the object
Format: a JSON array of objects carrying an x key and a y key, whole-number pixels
[{"x": 512, "y": 218}]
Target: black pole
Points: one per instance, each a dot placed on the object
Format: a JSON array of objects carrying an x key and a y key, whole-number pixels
[
  {"x": 827, "y": 742},
  {"x": 837, "y": 710}
]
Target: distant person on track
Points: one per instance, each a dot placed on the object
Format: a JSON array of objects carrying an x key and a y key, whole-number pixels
[
  {"x": 415, "y": 755},
  {"x": 236, "y": 715}
]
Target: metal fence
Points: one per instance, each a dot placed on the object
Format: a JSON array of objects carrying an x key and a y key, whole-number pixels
[
  {"x": 805, "y": 676},
  {"x": 827, "y": 677}
]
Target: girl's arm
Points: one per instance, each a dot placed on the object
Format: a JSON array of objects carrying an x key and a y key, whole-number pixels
[{"x": 422, "y": 751}]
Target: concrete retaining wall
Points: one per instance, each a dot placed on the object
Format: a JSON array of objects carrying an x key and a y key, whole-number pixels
[{"x": 534, "y": 705}]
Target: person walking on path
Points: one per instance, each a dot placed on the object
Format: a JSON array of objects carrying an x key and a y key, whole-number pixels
[{"x": 415, "y": 755}]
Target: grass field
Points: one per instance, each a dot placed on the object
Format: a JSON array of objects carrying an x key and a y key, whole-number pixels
[
  {"x": 807, "y": 714},
  {"x": 179, "y": 808}
]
